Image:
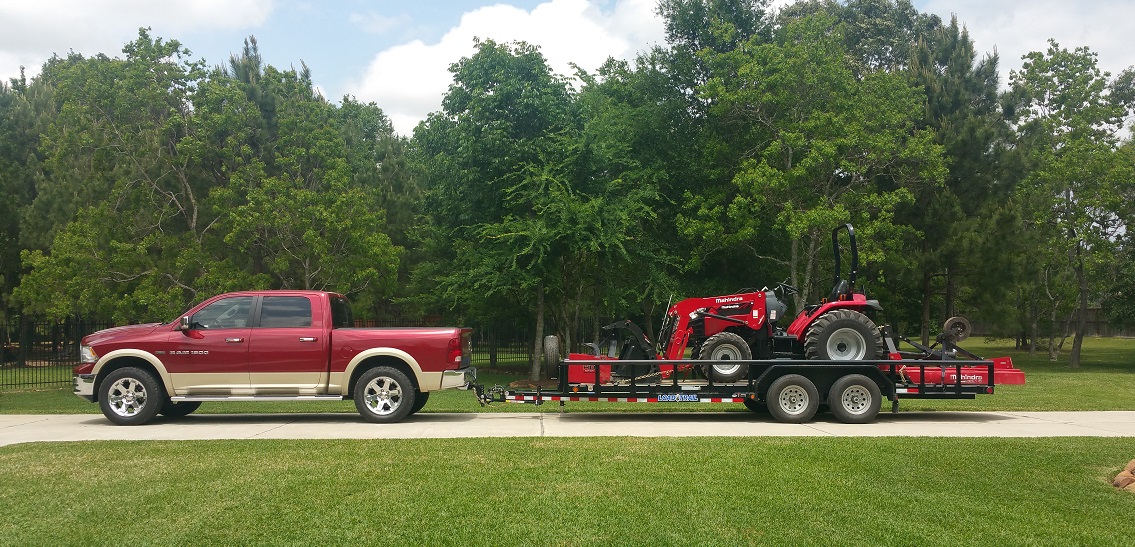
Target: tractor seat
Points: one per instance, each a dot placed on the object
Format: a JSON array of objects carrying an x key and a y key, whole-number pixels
[{"x": 841, "y": 288}]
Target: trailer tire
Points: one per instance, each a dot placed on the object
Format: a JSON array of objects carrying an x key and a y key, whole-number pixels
[
  {"x": 130, "y": 396},
  {"x": 855, "y": 399},
  {"x": 726, "y": 346},
  {"x": 843, "y": 335},
  {"x": 755, "y": 406},
  {"x": 384, "y": 395},
  {"x": 182, "y": 409},
  {"x": 793, "y": 399}
]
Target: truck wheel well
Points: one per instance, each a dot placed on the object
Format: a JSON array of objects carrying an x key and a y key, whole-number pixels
[
  {"x": 123, "y": 362},
  {"x": 380, "y": 361}
]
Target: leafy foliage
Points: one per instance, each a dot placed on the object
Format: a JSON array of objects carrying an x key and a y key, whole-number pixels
[{"x": 133, "y": 185}]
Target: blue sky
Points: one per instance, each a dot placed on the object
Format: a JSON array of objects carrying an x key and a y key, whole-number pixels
[{"x": 395, "y": 52}]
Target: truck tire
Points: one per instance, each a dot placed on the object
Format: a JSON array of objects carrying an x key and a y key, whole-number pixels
[
  {"x": 726, "y": 346},
  {"x": 855, "y": 399},
  {"x": 171, "y": 409},
  {"x": 793, "y": 399},
  {"x": 130, "y": 396},
  {"x": 843, "y": 335},
  {"x": 384, "y": 395},
  {"x": 420, "y": 399}
]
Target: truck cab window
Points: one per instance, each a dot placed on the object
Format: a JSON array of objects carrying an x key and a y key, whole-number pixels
[
  {"x": 285, "y": 312},
  {"x": 341, "y": 314},
  {"x": 226, "y": 313}
]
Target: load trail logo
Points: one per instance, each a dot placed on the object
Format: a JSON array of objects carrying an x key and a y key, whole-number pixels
[{"x": 677, "y": 398}]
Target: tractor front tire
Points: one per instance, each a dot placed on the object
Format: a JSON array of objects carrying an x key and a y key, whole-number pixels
[
  {"x": 843, "y": 335},
  {"x": 726, "y": 346}
]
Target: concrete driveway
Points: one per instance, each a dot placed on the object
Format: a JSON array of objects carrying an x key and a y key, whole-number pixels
[{"x": 88, "y": 427}]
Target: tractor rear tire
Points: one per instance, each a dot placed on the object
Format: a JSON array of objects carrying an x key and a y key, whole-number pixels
[
  {"x": 726, "y": 346},
  {"x": 843, "y": 335}
]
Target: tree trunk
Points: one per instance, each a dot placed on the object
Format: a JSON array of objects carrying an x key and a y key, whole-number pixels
[
  {"x": 950, "y": 290},
  {"x": 648, "y": 315},
  {"x": 1082, "y": 314},
  {"x": 538, "y": 346},
  {"x": 1034, "y": 324},
  {"x": 927, "y": 278}
]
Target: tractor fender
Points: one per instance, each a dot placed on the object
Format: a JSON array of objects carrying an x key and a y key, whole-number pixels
[{"x": 804, "y": 320}]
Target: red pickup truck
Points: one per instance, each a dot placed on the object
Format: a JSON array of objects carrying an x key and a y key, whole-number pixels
[{"x": 269, "y": 346}]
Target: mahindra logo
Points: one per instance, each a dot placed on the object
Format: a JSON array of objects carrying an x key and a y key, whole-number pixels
[{"x": 729, "y": 299}]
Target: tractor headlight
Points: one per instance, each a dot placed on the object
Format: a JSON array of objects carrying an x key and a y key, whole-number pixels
[{"x": 87, "y": 354}]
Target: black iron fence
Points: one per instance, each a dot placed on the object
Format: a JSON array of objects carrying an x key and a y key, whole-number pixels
[
  {"x": 42, "y": 354},
  {"x": 39, "y": 354}
]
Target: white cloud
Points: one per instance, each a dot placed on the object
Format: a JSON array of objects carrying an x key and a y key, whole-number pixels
[
  {"x": 1017, "y": 27},
  {"x": 35, "y": 30},
  {"x": 375, "y": 23},
  {"x": 409, "y": 80}
]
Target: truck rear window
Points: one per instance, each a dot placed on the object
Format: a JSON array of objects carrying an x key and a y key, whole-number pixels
[
  {"x": 285, "y": 312},
  {"x": 341, "y": 314}
]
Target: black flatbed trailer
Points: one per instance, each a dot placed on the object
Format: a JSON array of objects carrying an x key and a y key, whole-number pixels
[{"x": 792, "y": 390}]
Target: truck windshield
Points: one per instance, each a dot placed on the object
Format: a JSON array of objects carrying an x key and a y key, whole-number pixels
[{"x": 341, "y": 313}]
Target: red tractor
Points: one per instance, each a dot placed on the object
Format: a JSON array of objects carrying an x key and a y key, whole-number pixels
[{"x": 743, "y": 327}]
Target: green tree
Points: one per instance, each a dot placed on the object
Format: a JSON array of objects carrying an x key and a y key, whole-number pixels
[
  {"x": 500, "y": 125},
  {"x": 25, "y": 111},
  {"x": 1077, "y": 182},
  {"x": 819, "y": 141}
]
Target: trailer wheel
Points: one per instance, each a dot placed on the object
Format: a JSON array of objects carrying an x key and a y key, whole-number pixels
[
  {"x": 726, "y": 346},
  {"x": 855, "y": 399},
  {"x": 843, "y": 335},
  {"x": 754, "y": 406},
  {"x": 384, "y": 395},
  {"x": 793, "y": 399}
]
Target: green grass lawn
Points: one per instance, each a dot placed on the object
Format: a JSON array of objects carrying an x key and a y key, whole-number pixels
[
  {"x": 578, "y": 491},
  {"x": 588, "y": 491}
]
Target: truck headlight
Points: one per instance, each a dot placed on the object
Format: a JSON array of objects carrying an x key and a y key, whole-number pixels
[{"x": 87, "y": 354}]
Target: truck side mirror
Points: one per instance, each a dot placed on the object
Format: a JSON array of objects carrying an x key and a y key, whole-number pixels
[{"x": 183, "y": 323}]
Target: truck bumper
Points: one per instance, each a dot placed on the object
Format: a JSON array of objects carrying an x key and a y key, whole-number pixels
[
  {"x": 461, "y": 378},
  {"x": 85, "y": 386}
]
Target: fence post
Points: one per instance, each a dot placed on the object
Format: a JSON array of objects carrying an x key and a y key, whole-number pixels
[{"x": 25, "y": 341}]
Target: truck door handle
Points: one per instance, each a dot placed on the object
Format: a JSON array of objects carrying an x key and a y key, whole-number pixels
[
  {"x": 307, "y": 338},
  {"x": 234, "y": 340}
]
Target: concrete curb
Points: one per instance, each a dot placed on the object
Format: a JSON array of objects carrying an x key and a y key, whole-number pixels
[{"x": 25, "y": 428}]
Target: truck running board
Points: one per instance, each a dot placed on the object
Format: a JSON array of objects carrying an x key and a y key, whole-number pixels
[{"x": 232, "y": 398}]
